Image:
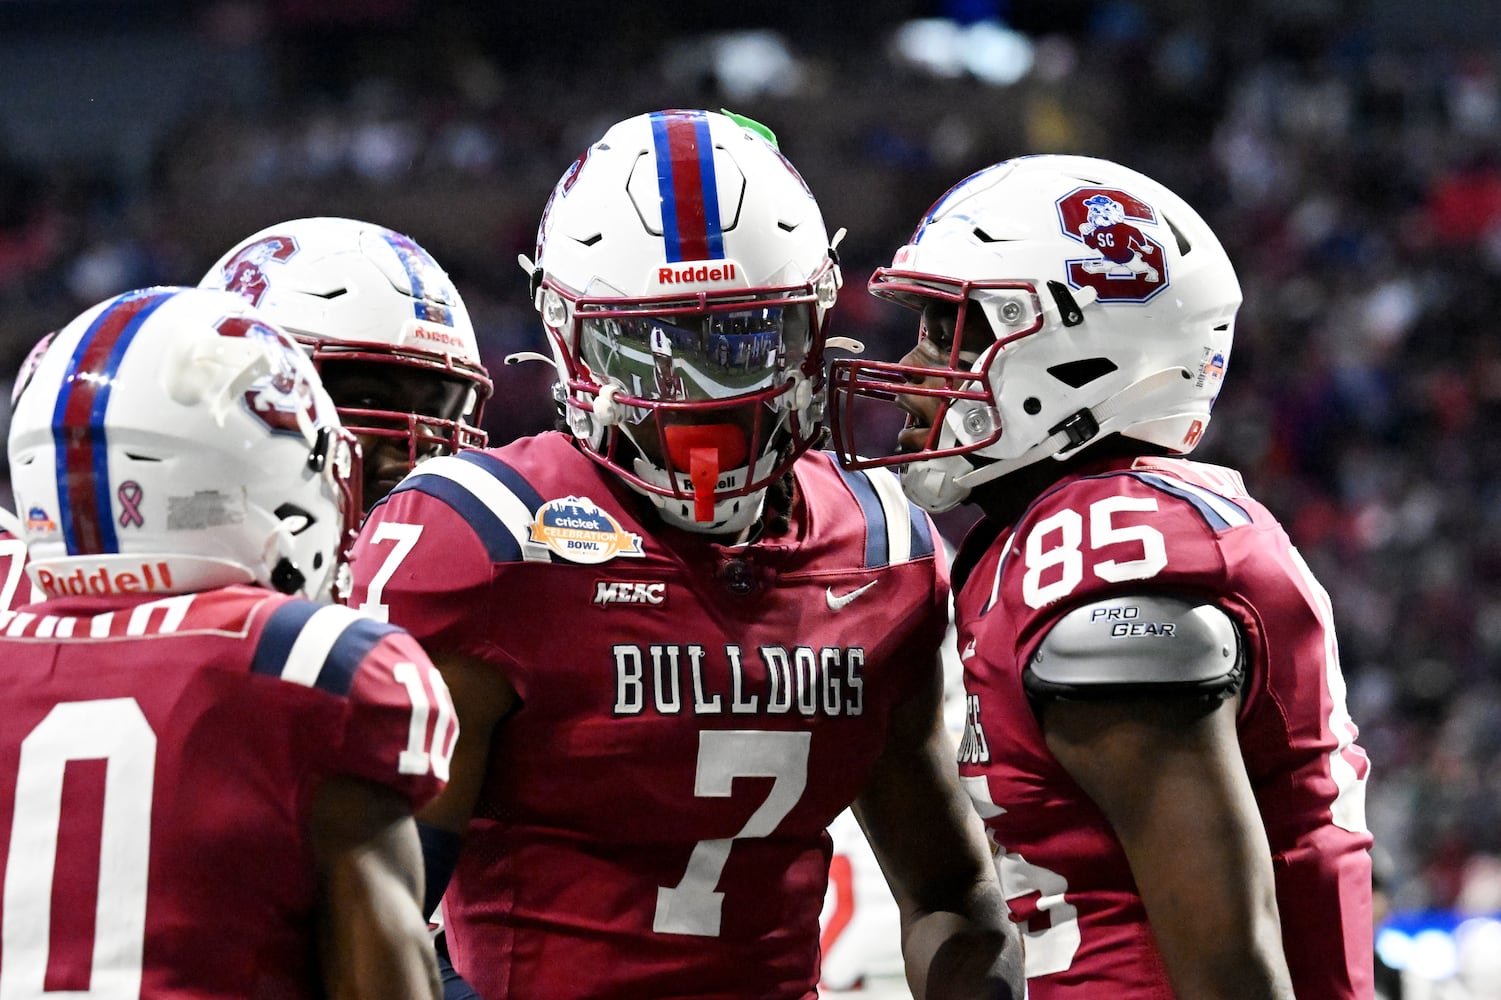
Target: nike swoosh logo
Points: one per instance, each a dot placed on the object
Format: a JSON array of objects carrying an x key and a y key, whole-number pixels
[{"x": 837, "y": 602}]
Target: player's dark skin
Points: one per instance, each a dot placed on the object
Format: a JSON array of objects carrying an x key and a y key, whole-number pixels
[{"x": 357, "y": 387}]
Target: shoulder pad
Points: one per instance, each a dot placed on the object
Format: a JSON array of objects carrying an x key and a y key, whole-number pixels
[
  {"x": 496, "y": 501},
  {"x": 1135, "y": 644}
]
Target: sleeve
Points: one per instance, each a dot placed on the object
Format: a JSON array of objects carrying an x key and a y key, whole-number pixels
[
  {"x": 390, "y": 720},
  {"x": 1116, "y": 582},
  {"x": 400, "y": 726},
  {"x": 420, "y": 564}
]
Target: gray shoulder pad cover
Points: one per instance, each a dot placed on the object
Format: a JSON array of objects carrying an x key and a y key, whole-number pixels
[{"x": 1149, "y": 640}]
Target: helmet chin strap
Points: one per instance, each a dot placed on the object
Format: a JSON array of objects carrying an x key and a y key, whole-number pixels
[
  {"x": 933, "y": 484},
  {"x": 1076, "y": 431}
]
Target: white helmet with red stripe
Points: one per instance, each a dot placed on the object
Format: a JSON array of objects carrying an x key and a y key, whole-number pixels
[
  {"x": 174, "y": 440},
  {"x": 684, "y": 276}
]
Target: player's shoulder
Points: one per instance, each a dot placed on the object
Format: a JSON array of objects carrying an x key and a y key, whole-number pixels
[
  {"x": 493, "y": 500},
  {"x": 1173, "y": 491},
  {"x": 867, "y": 508},
  {"x": 322, "y": 646}
]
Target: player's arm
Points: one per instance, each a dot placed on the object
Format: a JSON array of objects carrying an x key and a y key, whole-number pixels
[
  {"x": 1144, "y": 719},
  {"x": 482, "y": 697},
  {"x": 957, "y": 938},
  {"x": 373, "y": 941}
]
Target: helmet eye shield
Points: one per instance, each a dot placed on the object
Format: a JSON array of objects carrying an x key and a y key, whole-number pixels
[
  {"x": 747, "y": 364},
  {"x": 698, "y": 352}
]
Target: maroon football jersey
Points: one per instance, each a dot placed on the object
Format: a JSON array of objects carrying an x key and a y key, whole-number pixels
[
  {"x": 1176, "y": 527},
  {"x": 158, "y": 761},
  {"x": 692, "y": 717}
]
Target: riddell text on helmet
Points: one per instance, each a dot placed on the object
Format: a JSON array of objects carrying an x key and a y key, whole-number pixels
[
  {"x": 103, "y": 581},
  {"x": 684, "y": 275},
  {"x": 439, "y": 335}
]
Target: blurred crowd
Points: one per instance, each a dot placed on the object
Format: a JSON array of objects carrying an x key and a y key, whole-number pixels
[{"x": 1357, "y": 187}]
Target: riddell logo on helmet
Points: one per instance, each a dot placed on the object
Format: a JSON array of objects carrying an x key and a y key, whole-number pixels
[
  {"x": 437, "y": 334},
  {"x": 703, "y": 272},
  {"x": 103, "y": 582}
]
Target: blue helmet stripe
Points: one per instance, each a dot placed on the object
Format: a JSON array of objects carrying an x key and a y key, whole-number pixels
[{"x": 87, "y": 521}]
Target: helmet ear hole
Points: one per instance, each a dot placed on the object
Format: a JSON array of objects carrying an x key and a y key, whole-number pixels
[{"x": 1077, "y": 374}]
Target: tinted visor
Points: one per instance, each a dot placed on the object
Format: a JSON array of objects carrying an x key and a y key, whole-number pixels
[{"x": 693, "y": 353}]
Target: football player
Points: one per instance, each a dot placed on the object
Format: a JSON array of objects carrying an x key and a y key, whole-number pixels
[
  {"x": 387, "y": 330},
  {"x": 1157, "y": 735},
  {"x": 680, "y": 642},
  {"x": 202, "y": 770}
]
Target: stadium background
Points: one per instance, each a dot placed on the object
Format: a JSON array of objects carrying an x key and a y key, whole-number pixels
[{"x": 1347, "y": 152}]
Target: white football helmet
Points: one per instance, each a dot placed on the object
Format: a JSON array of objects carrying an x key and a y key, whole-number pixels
[
  {"x": 174, "y": 440},
  {"x": 1108, "y": 306},
  {"x": 356, "y": 292},
  {"x": 684, "y": 276}
]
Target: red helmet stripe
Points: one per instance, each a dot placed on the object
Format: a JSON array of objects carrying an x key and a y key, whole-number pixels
[
  {"x": 83, "y": 483},
  {"x": 688, "y": 186}
]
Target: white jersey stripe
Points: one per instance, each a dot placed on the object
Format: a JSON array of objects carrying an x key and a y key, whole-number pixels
[
  {"x": 898, "y": 522},
  {"x": 316, "y": 640},
  {"x": 491, "y": 492}
]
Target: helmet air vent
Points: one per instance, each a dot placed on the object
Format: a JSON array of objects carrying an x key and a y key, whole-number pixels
[
  {"x": 1077, "y": 374},
  {"x": 1184, "y": 246}
]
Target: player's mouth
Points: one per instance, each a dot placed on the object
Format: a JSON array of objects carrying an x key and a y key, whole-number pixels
[
  {"x": 387, "y": 477},
  {"x": 914, "y": 437}
]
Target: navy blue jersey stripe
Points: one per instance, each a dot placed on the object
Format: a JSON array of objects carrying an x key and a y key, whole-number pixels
[
  {"x": 509, "y": 478},
  {"x": 877, "y": 546},
  {"x": 1216, "y": 520},
  {"x": 279, "y": 635},
  {"x": 500, "y": 544},
  {"x": 348, "y": 652}
]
